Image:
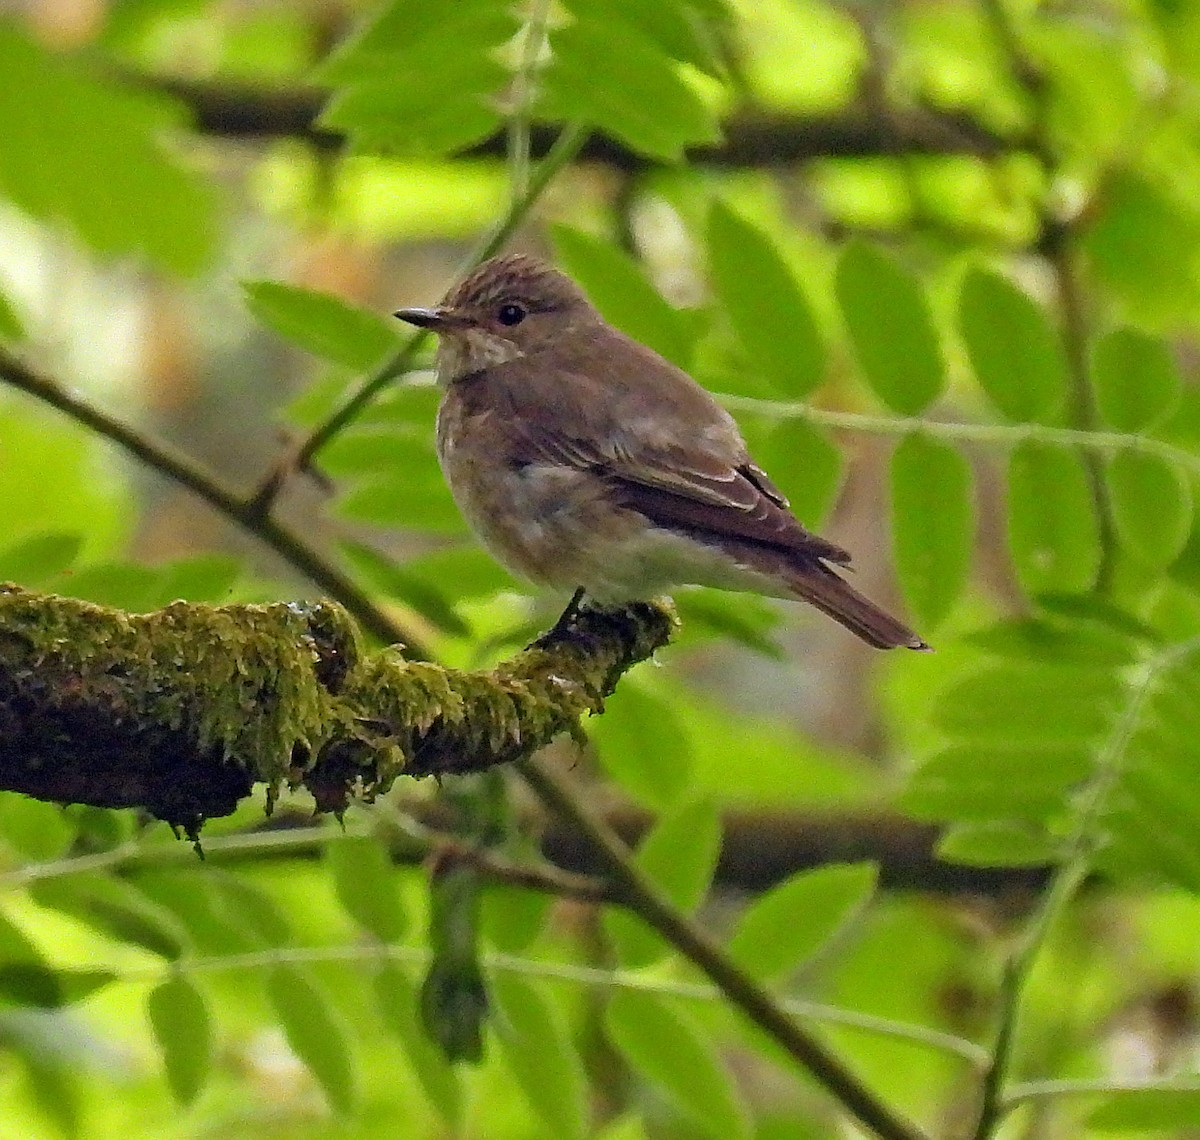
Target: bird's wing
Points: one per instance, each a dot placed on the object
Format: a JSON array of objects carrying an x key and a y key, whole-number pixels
[{"x": 669, "y": 452}]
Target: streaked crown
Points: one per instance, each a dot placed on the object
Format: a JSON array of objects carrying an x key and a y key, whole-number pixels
[{"x": 515, "y": 277}]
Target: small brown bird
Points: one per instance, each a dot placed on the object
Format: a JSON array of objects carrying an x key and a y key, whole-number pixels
[{"x": 586, "y": 461}]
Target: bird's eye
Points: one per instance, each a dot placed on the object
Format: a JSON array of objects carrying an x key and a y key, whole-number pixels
[{"x": 511, "y": 314}]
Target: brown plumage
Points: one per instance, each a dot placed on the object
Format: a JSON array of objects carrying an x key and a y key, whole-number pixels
[{"x": 584, "y": 459}]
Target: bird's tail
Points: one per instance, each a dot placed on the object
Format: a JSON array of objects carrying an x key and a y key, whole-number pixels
[{"x": 821, "y": 587}]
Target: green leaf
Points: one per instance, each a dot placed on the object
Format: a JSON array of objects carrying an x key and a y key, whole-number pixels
[
  {"x": 204, "y": 578},
  {"x": 1136, "y": 382},
  {"x": 316, "y": 1034},
  {"x": 676, "y": 27},
  {"x": 116, "y": 908},
  {"x": 39, "y": 558},
  {"x": 977, "y": 783},
  {"x": 679, "y": 855},
  {"x": 420, "y": 78},
  {"x": 183, "y": 1030},
  {"x": 643, "y": 746},
  {"x": 1015, "y": 352},
  {"x": 999, "y": 844},
  {"x": 541, "y": 1055},
  {"x": 322, "y": 324},
  {"x": 412, "y": 495},
  {"x": 766, "y": 306},
  {"x": 1147, "y": 1110},
  {"x": 1030, "y": 705},
  {"x": 609, "y": 74},
  {"x": 46, "y": 987},
  {"x": 1052, "y": 528},
  {"x": 619, "y": 289},
  {"x": 365, "y": 881},
  {"x": 10, "y": 323},
  {"x": 667, "y": 1048},
  {"x": 82, "y": 149},
  {"x": 1043, "y": 639},
  {"x": 398, "y": 582},
  {"x": 788, "y": 924},
  {"x": 396, "y": 994},
  {"x": 933, "y": 525},
  {"x": 1143, "y": 243},
  {"x": 38, "y": 830},
  {"x": 892, "y": 328},
  {"x": 1151, "y": 506}
]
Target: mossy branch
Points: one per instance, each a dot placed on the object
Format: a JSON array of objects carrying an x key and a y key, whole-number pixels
[{"x": 184, "y": 710}]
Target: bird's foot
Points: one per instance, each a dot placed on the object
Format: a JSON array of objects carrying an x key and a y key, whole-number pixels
[{"x": 563, "y": 626}]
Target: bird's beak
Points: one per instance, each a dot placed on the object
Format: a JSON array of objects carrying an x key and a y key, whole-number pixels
[{"x": 437, "y": 319}]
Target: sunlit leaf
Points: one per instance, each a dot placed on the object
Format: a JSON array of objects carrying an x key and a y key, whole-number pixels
[
  {"x": 316, "y": 1033},
  {"x": 892, "y": 328},
  {"x": 115, "y": 908},
  {"x": 679, "y": 855},
  {"x": 973, "y": 782},
  {"x": 36, "y": 559},
  {"x": 997, "y": 844},
  {"x": 1016, "y": 353},
  {"x": 539, "y": 1052},
  {"x": 788, "y": 924},
  {"x": 365, "y": 881},
  {"x": 1151, "y": 506},
  {"x": 766, "y": 306},
  {"x": 77, "y": 147},
  {"x": 1053, "y": 532},
  {"x": 183, "y": 1030},
  {"x": 322, "y": 324},
  {"x": 1146, "y": 1110},
  {"x": 396, "y": 995},
  {"x": 46, "y": 987},
  {"x": 933, "y": 525},
  {"x": 643, "y": 746},
  {"x": 1136, "y": 382},
  {"x": 394, "y": 580},
  {"x": 662, "y": 1043},
  {"x": 609, "y": 74}
]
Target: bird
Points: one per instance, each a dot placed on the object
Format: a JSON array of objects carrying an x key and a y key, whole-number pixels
[{"x": 585, "y": 461}]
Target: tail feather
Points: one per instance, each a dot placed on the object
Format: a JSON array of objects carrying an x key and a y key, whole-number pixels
[{"x": 821, "y": 587}]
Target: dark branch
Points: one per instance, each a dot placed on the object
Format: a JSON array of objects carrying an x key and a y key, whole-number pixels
[{"x": 751, "y": 138}]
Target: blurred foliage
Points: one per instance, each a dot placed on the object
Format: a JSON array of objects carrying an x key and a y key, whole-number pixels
[{"x": 962, "y": 334}]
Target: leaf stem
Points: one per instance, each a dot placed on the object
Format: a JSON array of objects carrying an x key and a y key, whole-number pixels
[
  {"x": 1080, "y": 846},
  {"x": 1001, "y": 435}
]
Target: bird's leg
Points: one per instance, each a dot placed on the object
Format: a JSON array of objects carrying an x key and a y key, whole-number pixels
[{"x": 563, "y": 625}]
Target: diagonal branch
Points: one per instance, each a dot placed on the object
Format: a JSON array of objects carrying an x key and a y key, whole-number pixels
[{"x": 179, "y": 468}]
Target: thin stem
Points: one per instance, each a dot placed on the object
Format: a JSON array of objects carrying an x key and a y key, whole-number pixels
[
  {"x": 524, "y": 90},
  {"x": 566, "y": 972},
  {"x": 1001, "y": 435},
  {"x": 1027, "y": 1091},
  {"x": 566, "y": 147},
  {"x": 645, "y": 900},
  {"x": 1078, "y": 851},
  {"x": 187, "y": 473}
]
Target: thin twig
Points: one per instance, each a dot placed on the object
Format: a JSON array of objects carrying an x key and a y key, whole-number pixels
[
  {"x": 645, "y": 900},
  {"x": 159, "y": 457}
]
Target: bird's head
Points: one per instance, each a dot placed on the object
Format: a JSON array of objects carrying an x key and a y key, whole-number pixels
[{"x": 508, "y": 307}]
